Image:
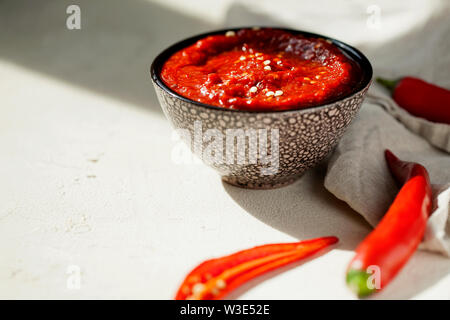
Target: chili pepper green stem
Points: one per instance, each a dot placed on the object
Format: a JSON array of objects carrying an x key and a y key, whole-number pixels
[
  {"x": 357, "y": 282},
  {"x": 388, "y": 84}
]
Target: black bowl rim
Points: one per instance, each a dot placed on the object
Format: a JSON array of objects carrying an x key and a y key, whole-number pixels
[{"x": 355, "y": 55}]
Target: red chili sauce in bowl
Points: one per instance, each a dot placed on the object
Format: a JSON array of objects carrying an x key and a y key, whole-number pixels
[{"x": 261, "y": 70}]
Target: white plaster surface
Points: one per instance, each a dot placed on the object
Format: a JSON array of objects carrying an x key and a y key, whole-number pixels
[{"x": 87, "y": 179}]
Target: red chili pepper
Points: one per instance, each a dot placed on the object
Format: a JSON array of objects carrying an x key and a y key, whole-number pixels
[
  {"x": 420, "y": 98},
  {"x": 399, "y": 233},
  {"x": 215, "y": 278}
]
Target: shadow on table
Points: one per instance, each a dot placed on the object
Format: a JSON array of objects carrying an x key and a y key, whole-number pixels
[
  {"x": 110, "y": 55},
  {"x": 304, "y": 210}
]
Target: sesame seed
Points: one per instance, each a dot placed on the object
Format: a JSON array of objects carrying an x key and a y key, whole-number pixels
[
  {"x": 278, "y": 93},
  {"x": 306, "y": 78},
  {"x": 221, "y": 284},
  {"x": 267, "y": 68},
  {"x": 270, "y": 93},
  {"x": 197, "y": 288},
  {"x": 279, "y": 62},
  {"x": 312, "y": 82},
  {"x": 259, "y": 58},
  {"x": 253, "y": 89},
  {"x": 230, "y": 34},
  {"x": 266, "y": 62},
  {"x": 258, "y": 54},
  {"x": 317, "y": 77},
  {"x": 242, "y": 58}
]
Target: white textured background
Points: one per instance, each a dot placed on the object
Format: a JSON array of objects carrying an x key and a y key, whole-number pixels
[{"x": 86, "y": 176}]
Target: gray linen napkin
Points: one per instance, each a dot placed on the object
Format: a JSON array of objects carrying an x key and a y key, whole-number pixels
[{"x": 358, "y": 174}]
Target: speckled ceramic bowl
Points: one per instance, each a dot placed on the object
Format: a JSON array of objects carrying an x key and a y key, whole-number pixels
[{"x": 306, "y": 136}]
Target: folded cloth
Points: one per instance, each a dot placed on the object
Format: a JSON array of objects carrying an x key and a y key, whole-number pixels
[{"x": 358, "y": 174}]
